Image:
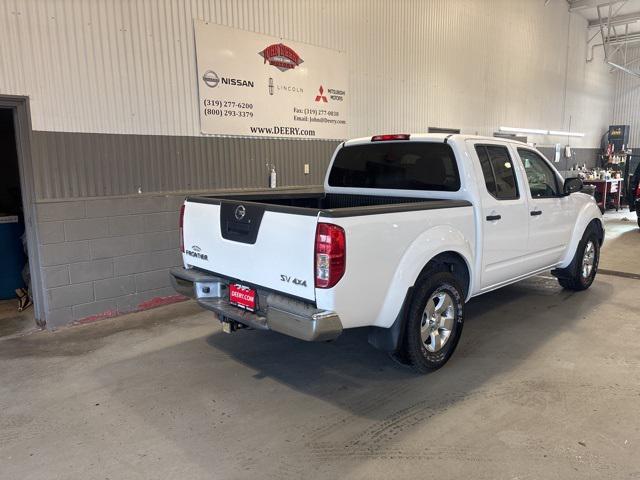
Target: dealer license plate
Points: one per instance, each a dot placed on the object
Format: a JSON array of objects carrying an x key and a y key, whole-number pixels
[{"x": 243, "y": 297}]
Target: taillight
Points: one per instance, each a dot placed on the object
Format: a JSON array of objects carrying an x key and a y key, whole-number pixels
[
  {"x": 182, "y": 228},
  {"x": 394, "y": 136},
  {"x": 331, "y": 255},
  {"x": 638, "y": 190}
]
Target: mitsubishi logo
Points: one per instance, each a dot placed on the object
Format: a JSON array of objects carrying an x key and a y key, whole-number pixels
[
  {"x": 321, "y": 95},
  {"x": 240, "y": 212}
]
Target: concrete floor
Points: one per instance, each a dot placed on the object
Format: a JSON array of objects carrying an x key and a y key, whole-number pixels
[
  {"x": 14, "y": 323},
  {"x": 622, "y": 243},
  {"x": 545, "y": 384}
]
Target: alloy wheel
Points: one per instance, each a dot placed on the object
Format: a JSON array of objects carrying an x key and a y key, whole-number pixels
[{"x": 438, "y": 320}]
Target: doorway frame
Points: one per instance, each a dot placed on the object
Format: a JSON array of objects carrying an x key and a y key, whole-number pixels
[{"x": 22, "y": 125}]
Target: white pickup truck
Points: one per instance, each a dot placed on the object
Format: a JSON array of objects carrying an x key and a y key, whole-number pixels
[{"x": 407, "y": 229}]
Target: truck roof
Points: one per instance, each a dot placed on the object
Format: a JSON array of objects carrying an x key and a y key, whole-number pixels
[{"x": 436, "y": 137}]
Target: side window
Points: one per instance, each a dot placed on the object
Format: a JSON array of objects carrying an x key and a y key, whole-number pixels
[
  {"x": 498, "y": 170},
  {"x": 543, "y": 182}
]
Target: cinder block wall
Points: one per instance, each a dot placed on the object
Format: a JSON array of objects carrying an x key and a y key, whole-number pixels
[{"x": 106, "y": 256}]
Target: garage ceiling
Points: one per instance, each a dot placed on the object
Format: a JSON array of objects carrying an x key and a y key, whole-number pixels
[
  {"x": 614, "y": 26},
  {"x": 623, "y": 12}
]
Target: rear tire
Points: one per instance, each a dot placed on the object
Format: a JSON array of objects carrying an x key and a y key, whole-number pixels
[
  {"x": 581, "y": 272},
  {"x": 434, "y": 321}
]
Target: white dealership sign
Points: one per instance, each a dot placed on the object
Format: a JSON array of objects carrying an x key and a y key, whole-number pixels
[{"x": 256, "y": 85}]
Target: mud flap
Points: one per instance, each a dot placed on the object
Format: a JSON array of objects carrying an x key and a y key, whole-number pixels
[{"x": 390, "y": 339}]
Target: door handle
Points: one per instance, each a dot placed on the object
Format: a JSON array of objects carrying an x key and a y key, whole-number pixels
[
  {"x": 535, "y": 213},
  {"x": 493, "y": 218}
]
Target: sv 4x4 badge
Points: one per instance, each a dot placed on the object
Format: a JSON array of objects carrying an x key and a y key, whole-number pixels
[{"x": 295, "y": 281}]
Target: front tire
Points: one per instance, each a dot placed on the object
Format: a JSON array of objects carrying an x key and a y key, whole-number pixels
[
  {"x": 581, "y": 272},
  {"x": 434, "y": 321}
]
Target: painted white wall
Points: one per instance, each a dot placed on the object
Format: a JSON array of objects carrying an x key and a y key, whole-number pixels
[
  {"x": 128, "y": 66},
  {"x": 626, "y": 106}
]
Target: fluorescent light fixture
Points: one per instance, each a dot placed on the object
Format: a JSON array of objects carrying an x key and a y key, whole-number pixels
[
  {"x": 566, "y": 134},
  {"x": 532, "y": 131},
  {"x": 535, "y": 131}
]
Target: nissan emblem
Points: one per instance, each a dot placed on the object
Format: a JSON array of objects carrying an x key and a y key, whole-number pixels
[{"x": 240, "y": 212}]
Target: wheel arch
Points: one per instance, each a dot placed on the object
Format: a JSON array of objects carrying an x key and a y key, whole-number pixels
[
  {"x": 452, "y": 250},
  {"x": 455, "y": 263},
  {"x": 589, "y": 217},
  {"x": 597, "y": 225},
  {"x": 390, "y": 339}
]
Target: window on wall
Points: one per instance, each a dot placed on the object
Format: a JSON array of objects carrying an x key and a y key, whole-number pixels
[
  {"x": 498, "y": 170},
  {"x": 543, "y": 182}
]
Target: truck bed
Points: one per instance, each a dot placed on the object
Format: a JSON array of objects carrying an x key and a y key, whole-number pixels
[
  {"x": 330, "y": 204},
  {"x": 264, "y": 239}
]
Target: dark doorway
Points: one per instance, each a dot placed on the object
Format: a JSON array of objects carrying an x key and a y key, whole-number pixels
[{"x": 16, "y": 310}]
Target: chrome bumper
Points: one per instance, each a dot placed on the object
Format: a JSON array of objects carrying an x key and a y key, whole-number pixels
[{"x": 276, "y": 312}]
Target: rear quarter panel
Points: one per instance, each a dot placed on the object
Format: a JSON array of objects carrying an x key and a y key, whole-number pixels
[{"x": 385, "y": 254}]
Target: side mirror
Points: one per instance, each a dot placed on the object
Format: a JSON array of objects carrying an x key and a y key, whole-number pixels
[{"x": 572, "y": 185}]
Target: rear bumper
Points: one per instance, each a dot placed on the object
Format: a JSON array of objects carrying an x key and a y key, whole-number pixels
[{"x": 276, "y": 312}]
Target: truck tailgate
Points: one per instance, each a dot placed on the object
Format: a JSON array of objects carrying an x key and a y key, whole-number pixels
[{"x": 252, "y": 244}]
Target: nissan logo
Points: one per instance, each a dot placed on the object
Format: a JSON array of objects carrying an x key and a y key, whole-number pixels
[
  {"x": 211, "y": 78},
  {"x": 240, "y": 212}
]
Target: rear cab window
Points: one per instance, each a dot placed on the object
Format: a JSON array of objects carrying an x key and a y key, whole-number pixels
[
  {"x": 407, "y": 165},
  {"x": 499, "y": 171}
]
